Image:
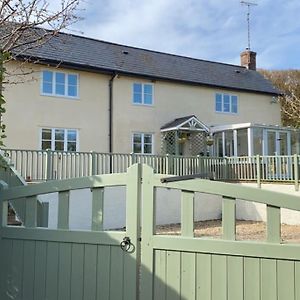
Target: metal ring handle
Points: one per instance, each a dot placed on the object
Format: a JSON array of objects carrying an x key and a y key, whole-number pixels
[{"x": 126, "y": 245}]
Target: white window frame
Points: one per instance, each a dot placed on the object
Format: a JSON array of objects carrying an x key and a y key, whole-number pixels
[
  {"x": 65, "y": 138},
  {"x": 143, "y": 94},
  {"x": 277, "y": 141},
  {"x": 142, "y": 139},
  {"x": 53, "y": 94},
  {"x": 230, "y": 103}
]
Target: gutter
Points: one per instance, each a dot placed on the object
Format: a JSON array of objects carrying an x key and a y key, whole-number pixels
[{"x": 110, "y": 113}]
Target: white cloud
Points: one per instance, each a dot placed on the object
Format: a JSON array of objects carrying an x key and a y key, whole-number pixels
[{"x": 208, "y": 29}]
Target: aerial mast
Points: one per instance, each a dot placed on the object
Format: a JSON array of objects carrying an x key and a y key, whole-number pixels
[{"x": 248, "y": 4}]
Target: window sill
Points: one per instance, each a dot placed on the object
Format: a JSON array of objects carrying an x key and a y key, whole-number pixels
[
  {"x": 60, "y": 96},
  {"x": 142, "y": 104},
  {"x": 226, "y": 113}
]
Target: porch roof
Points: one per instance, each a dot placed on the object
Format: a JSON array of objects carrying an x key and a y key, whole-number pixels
[{"x": 190, "y": 123}]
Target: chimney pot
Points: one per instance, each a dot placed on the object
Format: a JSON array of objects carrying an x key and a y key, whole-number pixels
[{"x": 248, "y": 59}]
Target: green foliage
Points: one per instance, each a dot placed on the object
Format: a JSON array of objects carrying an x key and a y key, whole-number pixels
[{"x": 4, "y": 56}]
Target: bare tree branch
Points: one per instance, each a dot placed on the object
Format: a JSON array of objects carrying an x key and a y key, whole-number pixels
[
  {"x": 24, "y": 22},
  {"x": 287, "y": 81},
  {"x": 24, "y": 25}
]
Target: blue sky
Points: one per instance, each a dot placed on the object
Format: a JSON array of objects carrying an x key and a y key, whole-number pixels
[{"x": 206, "y": 29}]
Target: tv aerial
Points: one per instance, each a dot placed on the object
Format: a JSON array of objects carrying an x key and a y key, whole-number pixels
[{"x": 248, "y": 4}]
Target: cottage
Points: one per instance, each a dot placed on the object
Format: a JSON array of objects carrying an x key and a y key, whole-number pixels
[{"x": 86, "y": 94}]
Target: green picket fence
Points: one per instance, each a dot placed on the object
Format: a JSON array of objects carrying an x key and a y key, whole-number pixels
[
  {"x": 41, "y": 165},
  {"x": 41, "y": 263}
]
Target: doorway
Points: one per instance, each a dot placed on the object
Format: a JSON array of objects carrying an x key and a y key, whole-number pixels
[
  {"x": 278, "y": 150},
  {"x": 277, "y": 143}
]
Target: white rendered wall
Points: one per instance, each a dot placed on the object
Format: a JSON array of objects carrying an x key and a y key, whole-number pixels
[
  {"x": 207, "y": 207},
  {"x": 80, "y": 209},
  {"x": 257, "y": 212}
]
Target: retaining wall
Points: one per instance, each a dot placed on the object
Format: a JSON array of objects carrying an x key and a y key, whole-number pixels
[{"x": 207, "y": 207}]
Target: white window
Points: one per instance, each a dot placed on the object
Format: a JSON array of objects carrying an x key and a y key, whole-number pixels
[
  {"x": 59, "y": 84},
  {"x": 226, "y": 103},
  {"x": 59, "y": 139},
  {"x": 142, "y": 93},
  {"x": 142, "y": 143}
]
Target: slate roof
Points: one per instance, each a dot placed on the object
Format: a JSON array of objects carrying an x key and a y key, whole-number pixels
[
  {"x": 100, "y": 56},
  {"x": 176, "y": 122}
]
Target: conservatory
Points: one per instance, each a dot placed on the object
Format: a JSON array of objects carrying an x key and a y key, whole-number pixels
[
  {"x": 187, "y": 136},
  {"x": 248, "y": 139}
]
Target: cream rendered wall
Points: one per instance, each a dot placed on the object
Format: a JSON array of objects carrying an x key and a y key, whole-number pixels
[
  {"x": 28, "y": 111},
  {"x": 173, "y": 100}
]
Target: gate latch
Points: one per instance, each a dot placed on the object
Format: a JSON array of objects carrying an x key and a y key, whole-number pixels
[{"x": 126, "y": 245}]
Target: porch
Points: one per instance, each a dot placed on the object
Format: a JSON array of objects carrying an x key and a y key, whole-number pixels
[{"x": 188, "y": 136}]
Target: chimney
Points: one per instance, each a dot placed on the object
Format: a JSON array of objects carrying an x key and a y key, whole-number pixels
[{"x": 248, "y": 59}]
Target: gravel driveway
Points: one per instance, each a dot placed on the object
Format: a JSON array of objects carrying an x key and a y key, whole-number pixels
[{"x": 245, "y": 230}]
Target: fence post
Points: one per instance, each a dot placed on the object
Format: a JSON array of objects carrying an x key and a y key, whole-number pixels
[
  {"x": 166, "y": 159},
  {"x": 49, "y": 164},
  {"x": 201, "y": 164},
  {"x": 147, "y": 218},
  {"x": 258, "y": 168},
  {"x": 296, "y": 172},
  {"x": 170, "y": 159},
  {"x": 93, "y": 163},
  {"x": 133, "y": 228},
  {"x": 226, "y": 169},
  {"x": 3, "y": 206},
  {"x": 228, "y": 218},
  {"x": 132, "y": 159}
]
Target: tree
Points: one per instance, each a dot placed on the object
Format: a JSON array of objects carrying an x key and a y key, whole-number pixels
[
  {"x": 288, "y": 82},
  {"x": 27, "y": 24}
]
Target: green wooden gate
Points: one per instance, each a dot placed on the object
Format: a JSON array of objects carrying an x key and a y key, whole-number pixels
[
  {"x": 185, "y": 267},
  {"x": 40, "y": 263}
]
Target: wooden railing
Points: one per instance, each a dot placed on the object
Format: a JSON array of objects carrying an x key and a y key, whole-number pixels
[{"x": 41, "y": 165}]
